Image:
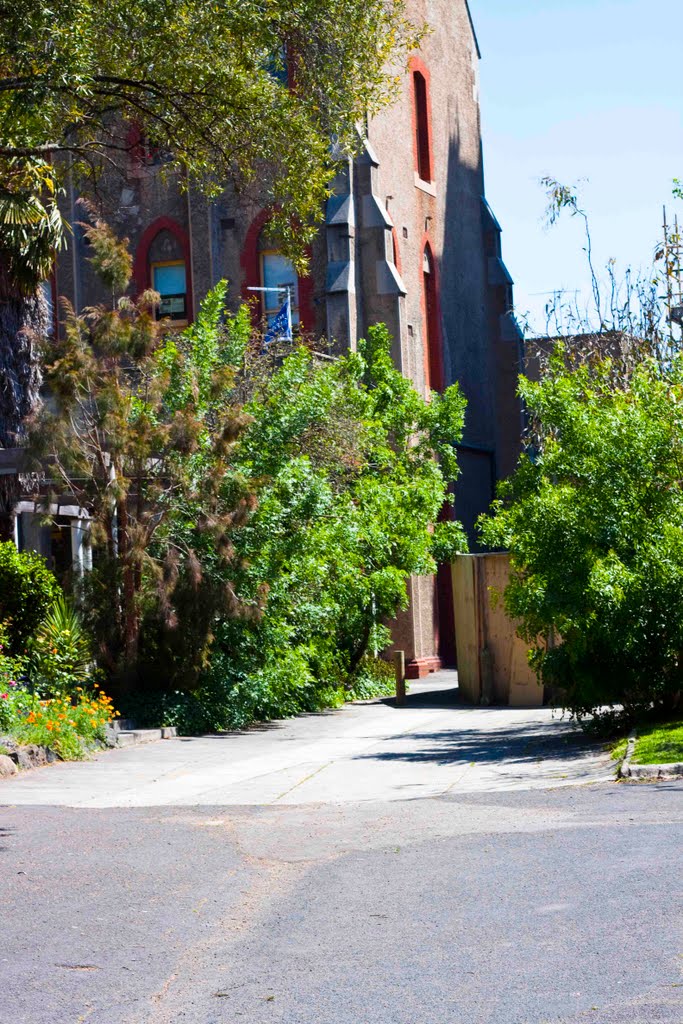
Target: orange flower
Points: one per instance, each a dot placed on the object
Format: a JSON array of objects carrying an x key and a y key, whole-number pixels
[
  {"x": 62, "y": 717},
  {"x": 49, "y": 726}
]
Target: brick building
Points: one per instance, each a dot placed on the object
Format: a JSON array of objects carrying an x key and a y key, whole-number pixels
[{"x": 408, "y": 240}]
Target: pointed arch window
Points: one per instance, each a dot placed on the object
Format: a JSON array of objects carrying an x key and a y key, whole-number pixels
[
  {"x": 162, "y": 262},
  {"x": 264, "y": 265},
  {"x": 423, "y": 149},
  {"x": 278, "y": 276},
  {"x": 432, "y": 339}
]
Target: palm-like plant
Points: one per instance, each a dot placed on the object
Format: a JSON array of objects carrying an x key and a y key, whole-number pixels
[
  {"x": 30, "y": 224},
  {"x": 60, "y": 651}
]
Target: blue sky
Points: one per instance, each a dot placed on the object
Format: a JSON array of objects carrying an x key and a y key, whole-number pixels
[{"x": 587, "y": 89}]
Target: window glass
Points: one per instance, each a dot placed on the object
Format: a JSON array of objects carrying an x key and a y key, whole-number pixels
[
  {"x": 278, "y": 274},
  {"x": 169, "y": 279},
  {"x": 424, "y": 158}
]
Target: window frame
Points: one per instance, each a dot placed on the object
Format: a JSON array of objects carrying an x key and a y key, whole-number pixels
[
  {"x": 179, "y": 321},
  {"x": 141, "y": 264},
  {"x": 272, "y": 311},
  {"x": 420, "y": 88}
]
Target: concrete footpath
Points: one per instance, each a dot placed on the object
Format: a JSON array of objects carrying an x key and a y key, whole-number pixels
[{"x": 373, "y": 751}]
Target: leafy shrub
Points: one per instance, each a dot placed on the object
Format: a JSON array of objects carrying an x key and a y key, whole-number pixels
[
  {"x": 224, "y": 701},
  {"x": 27, "y": 590},
  {"x": 268, "y": 510},
  {"x": 12, "y": 696},
  {"x": 594, "y": 523},
  {"x": 374, "y": 678},
  {"x": 349, "y": 469},
  {"x": 68, "y": 723}
]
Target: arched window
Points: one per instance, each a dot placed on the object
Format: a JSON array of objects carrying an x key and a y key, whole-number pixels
[
  {"x": 168, "y": 275},
  {"x": 423, "y": 154},
  {"x": 162, "y": 262},
  {"x": 264, "y": 266},
  {"x": 278, "y": 277},
  {"x": 432, "y": 340}
]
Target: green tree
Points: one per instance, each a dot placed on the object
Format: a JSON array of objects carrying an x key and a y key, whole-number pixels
[
  {"x": 593, "y": 519},
  {"x": 227, "y": 92},
  {"x": 137, "y": 431},
  {"x": 351, "y": 468},
  {"x": 237, "y": 91}
]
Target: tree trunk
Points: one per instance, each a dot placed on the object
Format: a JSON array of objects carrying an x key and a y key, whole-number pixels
[
  {"x": 131, "y": 624},
  {"x": 23, "y": 321}
]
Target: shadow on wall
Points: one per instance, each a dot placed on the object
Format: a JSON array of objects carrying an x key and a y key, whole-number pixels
[
  {"x": 475, "y": 354},
  {"x": 465, "y": 333}
]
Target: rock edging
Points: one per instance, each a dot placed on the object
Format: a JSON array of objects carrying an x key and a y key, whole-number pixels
[{"x": 23, "y": 757}]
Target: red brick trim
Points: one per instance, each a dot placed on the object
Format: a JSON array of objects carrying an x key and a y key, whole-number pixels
[
  {"x": 417, "y": 66},
  {"x": 397, "y": 252},
  {"x": 141, "y": 274},
  {"x": 418, "y": 668},
  {"x": 249, "y": 257}
]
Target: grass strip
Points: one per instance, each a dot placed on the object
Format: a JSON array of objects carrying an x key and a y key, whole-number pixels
[{"x": 660, "y": 743}]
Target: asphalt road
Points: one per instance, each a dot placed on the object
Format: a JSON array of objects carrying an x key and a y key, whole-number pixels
[
  {"x": 525, "y": 906},
  {"x": 376, "y": 751}
]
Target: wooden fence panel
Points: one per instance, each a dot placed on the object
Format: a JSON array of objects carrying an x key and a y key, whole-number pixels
[
  {"x": 486, "y": 638},
  {"x": 467, "y": 628}
]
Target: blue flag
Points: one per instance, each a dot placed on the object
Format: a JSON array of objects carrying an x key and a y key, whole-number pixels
[{"x": 281, "y": 326}]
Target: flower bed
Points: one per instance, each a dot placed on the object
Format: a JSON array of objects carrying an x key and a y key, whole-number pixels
[{"x": 69, "y": 725}]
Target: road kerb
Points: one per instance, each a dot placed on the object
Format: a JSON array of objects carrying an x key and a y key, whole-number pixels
[{"x": 624, "y": 769}]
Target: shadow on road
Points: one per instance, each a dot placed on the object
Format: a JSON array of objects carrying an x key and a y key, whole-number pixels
[
  {"x": 528, "y": 742},
  {"x": 436, "y": 698},
  {"x": 5, "y": 833}
]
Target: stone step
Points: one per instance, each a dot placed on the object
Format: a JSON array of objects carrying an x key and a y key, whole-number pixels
[{"x": 133, "y": 737}]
